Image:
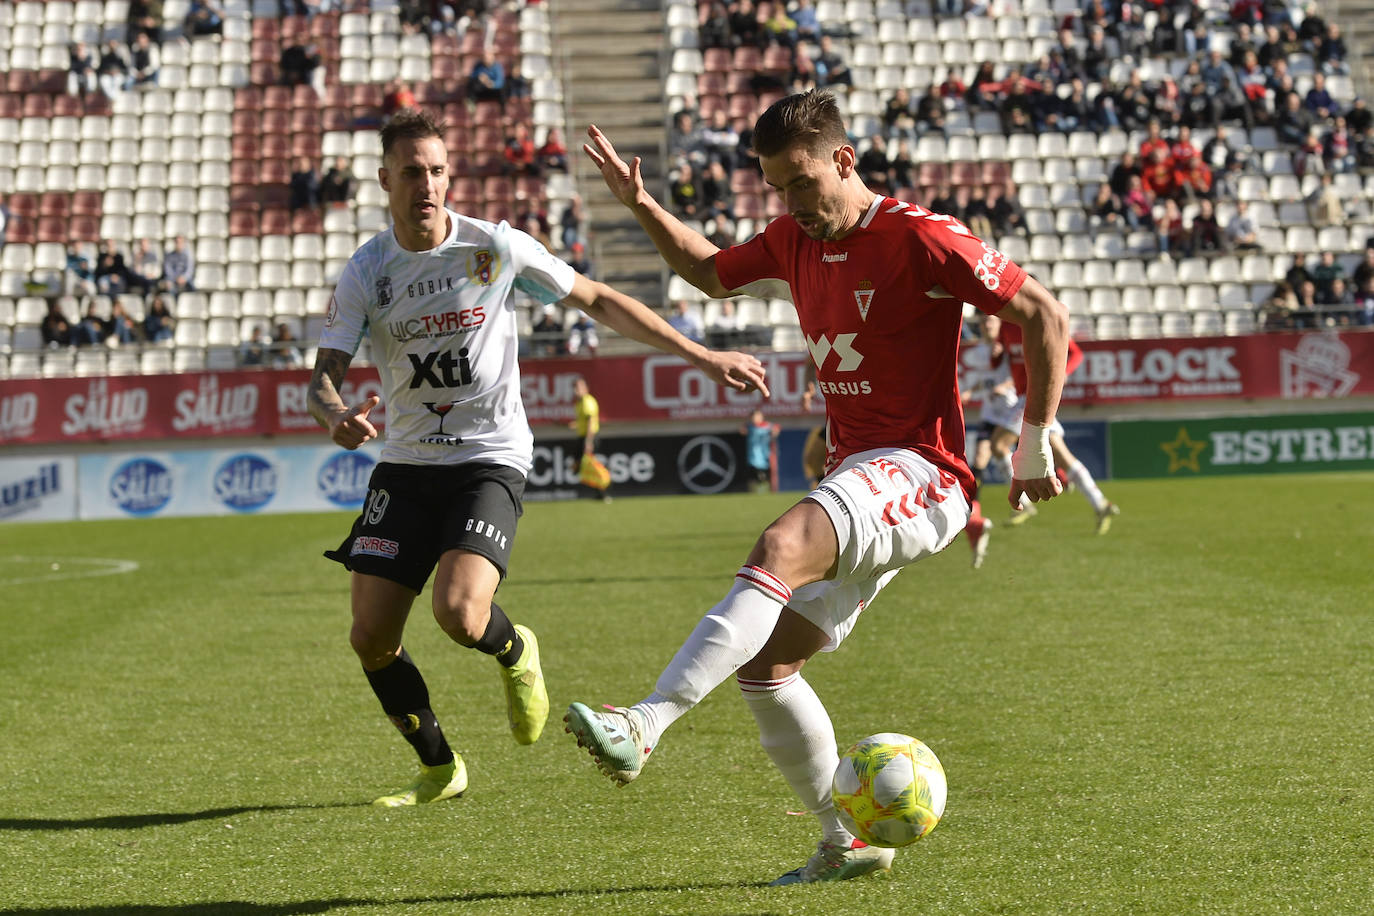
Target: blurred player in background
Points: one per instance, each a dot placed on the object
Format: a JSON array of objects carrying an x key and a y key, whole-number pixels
[
  {"x": 879, "y": 287},
  {"x": 435, "y": 295},
  {"x": 587, "y": 423},
  {"x": 759, "y": 438},
  {"x": 1007, "y": 421}
]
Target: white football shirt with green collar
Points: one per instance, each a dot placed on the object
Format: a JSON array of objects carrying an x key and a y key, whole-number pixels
[{"x": 444, "y": 335}]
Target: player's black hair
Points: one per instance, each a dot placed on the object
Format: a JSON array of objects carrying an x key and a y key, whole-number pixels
[
  {"x": 811, "y": 119},
  {"x": 410, "y": 124}
]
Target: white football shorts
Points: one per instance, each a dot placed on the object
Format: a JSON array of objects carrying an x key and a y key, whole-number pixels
[
  {"x": 998, "y": 414},
  {"x": 890, "y": 508}
]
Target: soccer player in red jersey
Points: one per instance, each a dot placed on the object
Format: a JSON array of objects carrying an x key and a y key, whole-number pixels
[
  {"x": 879, "y": 287},
  {"x": 1009, "y": 335}
]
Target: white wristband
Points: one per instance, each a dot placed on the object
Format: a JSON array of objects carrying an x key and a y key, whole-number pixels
[{"x": 1033, "y": 459}]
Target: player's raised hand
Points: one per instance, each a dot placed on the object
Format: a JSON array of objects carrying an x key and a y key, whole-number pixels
[
  {"x": 352, "y": 428},
  {"x": 623, "y": 179},
  {"x": 740, "y": 371}
]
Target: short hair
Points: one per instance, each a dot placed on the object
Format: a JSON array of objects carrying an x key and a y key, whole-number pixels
[
  {"x": 410, "y": 124},
  {"x": 811, "y": 119}
]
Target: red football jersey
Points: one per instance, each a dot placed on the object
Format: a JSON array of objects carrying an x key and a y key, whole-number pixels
[
  {"x": 881, "y": 310},
  {"x": 1010, "y": 337}
]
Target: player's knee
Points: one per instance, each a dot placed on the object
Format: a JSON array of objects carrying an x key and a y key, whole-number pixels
[
  {"x": 373, "y": 648},
  {"x": 463, "y": 616},
  {"x": 763, "y": 668},
  {"x": 777, "y": 547}
]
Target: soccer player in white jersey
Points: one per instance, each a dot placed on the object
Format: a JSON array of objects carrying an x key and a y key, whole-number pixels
[
  {"x": 434, "y": 294},
  {"x": 879, "y": 286}
]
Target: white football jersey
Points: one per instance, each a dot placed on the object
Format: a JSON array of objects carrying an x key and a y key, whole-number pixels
[{"x": 444, "y": 334}]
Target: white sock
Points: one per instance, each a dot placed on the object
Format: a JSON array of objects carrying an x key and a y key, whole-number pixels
[
  {"x": 1004, "y": 462},
  {"x": 729, "y": 635},
  {"x": 796, "y": 732},
  {"x": 1086, "y": 485}
]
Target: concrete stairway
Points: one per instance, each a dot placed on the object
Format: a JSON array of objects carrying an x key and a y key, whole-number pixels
[
  {"x": 1356, "y": 19},
  {"x": 610, "y": 56}
]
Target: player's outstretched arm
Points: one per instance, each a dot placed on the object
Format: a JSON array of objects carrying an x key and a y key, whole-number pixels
[
  {"x": 348, "y": 426},
  {"x": 689, "y": 253},
  {"x": 635, "y": 320},
  {"x": 1044, "y": 323}
]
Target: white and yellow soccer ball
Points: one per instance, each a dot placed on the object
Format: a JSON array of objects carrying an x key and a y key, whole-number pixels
[{"x": 889, "y": 789}]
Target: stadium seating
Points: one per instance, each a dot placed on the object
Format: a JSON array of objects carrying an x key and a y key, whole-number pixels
[{"x": 207, "y": 153}]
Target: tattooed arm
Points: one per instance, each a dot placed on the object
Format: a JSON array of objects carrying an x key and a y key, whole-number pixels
[{"x": 348, "y": 426}]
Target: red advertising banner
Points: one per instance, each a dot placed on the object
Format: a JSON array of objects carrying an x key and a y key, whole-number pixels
[{"x": 658, "y": 387}]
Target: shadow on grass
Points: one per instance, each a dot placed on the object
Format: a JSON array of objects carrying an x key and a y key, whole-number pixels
[
  {"x": 239, "y": 908},
  {"x": 135, "y": 821}
]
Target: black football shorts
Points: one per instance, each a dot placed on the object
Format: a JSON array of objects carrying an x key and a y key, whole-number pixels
[{"x": 414, "y": 513}]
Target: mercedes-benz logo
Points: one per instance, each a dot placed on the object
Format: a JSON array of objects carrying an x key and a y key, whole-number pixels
[{"x": 706, "y": 464}]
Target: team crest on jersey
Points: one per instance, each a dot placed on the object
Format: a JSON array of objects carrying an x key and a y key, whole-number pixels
[
  {"x": 383, "y": 292},
  {"x": 863, "y": 298},
  {"x": 483, "y": 266}
]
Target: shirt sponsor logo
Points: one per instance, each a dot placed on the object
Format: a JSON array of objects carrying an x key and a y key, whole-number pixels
[
  {"x": 842, "y": 345},
  {"x": 440, "y": 324},
  {"x": 484, "y": 266},
  {"x": 834, "y": 257},
  {"x": 374, "y": 547},
  {"x": 489, "y": 531},
  {"x": 141, "y": 486},
  {"x": 246, "y": 482},
  {"x": 835, "y": 497},
  {"x": 427, "y": 287},
  {"x": 383, "y": 292}
]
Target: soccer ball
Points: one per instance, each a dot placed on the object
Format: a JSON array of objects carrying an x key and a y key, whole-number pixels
[{"x": 889, "y": 790}]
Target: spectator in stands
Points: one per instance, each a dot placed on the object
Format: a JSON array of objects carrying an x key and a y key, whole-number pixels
[
  {"x": 685, "y": 192},
  {"x": 1137, "y": 206},
  {"x": 899, "y": 111},
  {"x": 81, "y": 72},
  {"x": 1169, "y": 231},
  {"x": 831, "y": 69},
  {"x": 338, "y": 185},
  {"x": 1205, "y": 235},
  {"x": 253, "y": 351},
  {"x": 1319, "y": 100},
  {"x": 158, "y": 323},
  {"x": 55, "y": 328},
  {"x": 1338, "y": 152},
  {"x": 205, "y": 17},
  {"x": 713, "y": 29},
  {"x": 1276, "y": 312},
  {"x": 1107, "y": 209},
  {"x": 686, "y": 321},
  {"x": 122, "y": 329},
  {"x": 977, "y": 215},
  {"x": 930, "y": 113},
  {"x": 582, "y": 336},
  {"x": 286, "y": 349},
  {"x": 745, "y": 28},
  {"x": 1218, "y": 152},
  {"x": 1096, "y": 59},
  {"x": 1158, "y": 175},
  {"x": 1297, "y": 273},
  {"x": 943, "y": 201},
  {"x": 720, "y": 140},
  {"x": 1324, "y": 204},
  {"x": 80, "y": 275},
  {"x": 178, "y": 268},
  {"x": 717, "y": 200},
  {"x": 1154, "y": 140},
  {"x": 1330, "y": 53},
  {"x": 487, "y": 81},
  {"x": 1018, "y": 111},
  {"x": 517, "y": 85},
  {"x": 1198, "y": 183},
  {"x": 146, "y": 267},
  {"x": 1305, "y": 316},
  {"x": 808, "y": 26},
  {"x": 111, "y": 273},
  {"x": 536, "y": 224},
  {"x": 684, "y": 140},
  {"x": 1339, "y": 302},
  {"x": 984, "y": 89},
  {"x": 144, "y": 18},
  {"x": 304, "y": 187},
  {"x": 1327, "y": 271},
  {"x": 1200, "y": 109},
  {"x": 546, "y": 336},
  {"x": 113, "y": 72},
  {"x": 1130, "y": 34},
  {"x": 1120, "y": 176},
  {"x": 570, "y": 222},
  {"x": 724, "y": 329},
  {"x": 1241, "y": 233},
  {"x": 778, "y": 27},
  {"x": 91, "y": 329},
  {"x": 1005, "y": 210},
  {"x": 1216, "y": 69},
  {"x": 1364, "y": 303},
  {"x": 875, "y": 168},
  {"x": 578, "y": 260},
  {"x": 903, "y": 166},
  {"x": 552, "y": 155},
  {"x": 300, "y": 66},
  {"x": 414, "y": 16},
  {"x": 1364, "y": 271},
  {"x": 398, "y": 95},
  {"x": 145, "y": 62},
  {"x": 518, "y": 151}
]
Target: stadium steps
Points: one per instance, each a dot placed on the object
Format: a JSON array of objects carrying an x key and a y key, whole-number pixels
[
  {"x": 619, "y": 87},
  {"x": 1356, "y": 19}
]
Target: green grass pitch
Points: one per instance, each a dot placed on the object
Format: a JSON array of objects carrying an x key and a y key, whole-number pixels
[{"x": 1176, "y": 718}]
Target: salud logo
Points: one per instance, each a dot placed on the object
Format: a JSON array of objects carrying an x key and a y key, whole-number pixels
[
  {"x": 141, "y": 486},
  {"x": 1317, "y": 368},
  {"x": 246, "y": 482},
  {"x": 343, "y": 479}
]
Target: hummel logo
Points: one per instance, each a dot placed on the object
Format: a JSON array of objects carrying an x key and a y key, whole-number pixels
[{"x": 835, "y": 256}]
